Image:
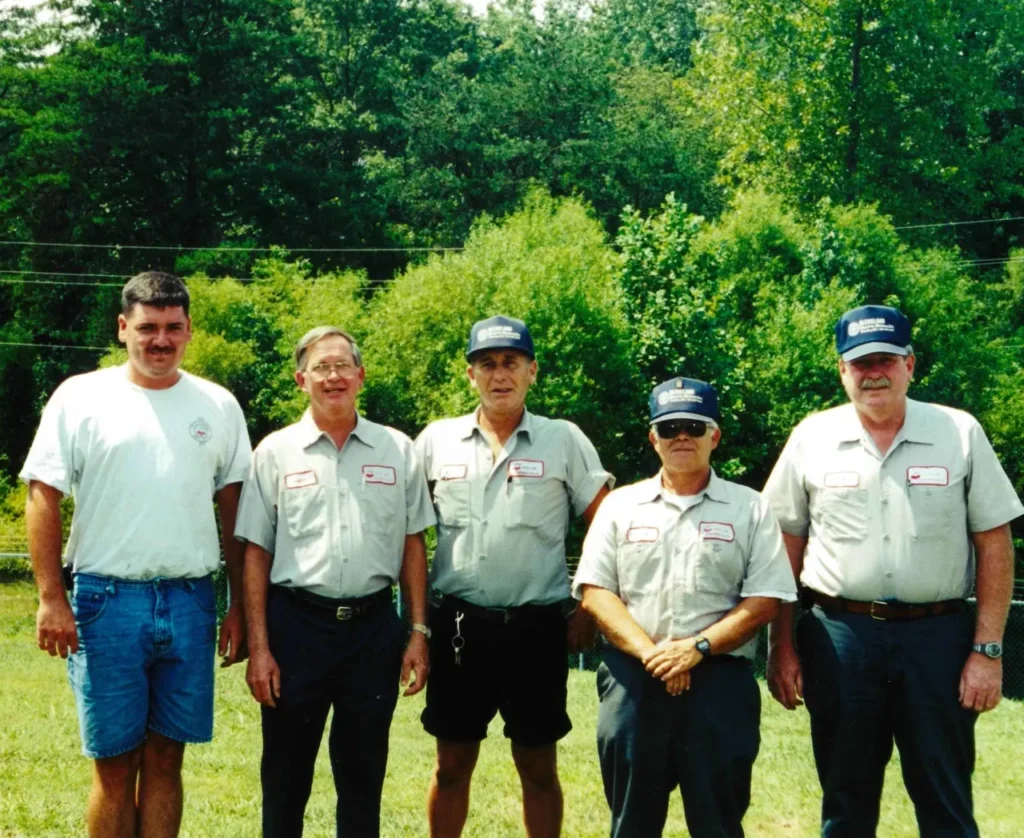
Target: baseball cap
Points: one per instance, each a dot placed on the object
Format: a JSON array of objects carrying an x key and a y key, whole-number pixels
[
  {"x": 868, "y": 329},
  {"x": 499, "y": 332},
  {"x": 684, "y": 398}
]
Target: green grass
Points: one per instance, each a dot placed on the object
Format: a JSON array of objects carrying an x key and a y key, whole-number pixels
[{"x": 44, "y": 779}]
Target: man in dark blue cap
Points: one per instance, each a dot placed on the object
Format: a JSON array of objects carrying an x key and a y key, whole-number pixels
[
  {"x": 892, "y": 510},
  {"x": 504, "y": 482},
  {"x": 680, "y": 571}
]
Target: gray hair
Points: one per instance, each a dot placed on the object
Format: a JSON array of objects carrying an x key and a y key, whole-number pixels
[{"x": 318, "y": 334}]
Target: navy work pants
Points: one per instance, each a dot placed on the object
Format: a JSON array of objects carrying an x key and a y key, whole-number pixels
[
  {"x": 869, "y": 683},
  {"x": 353, "y": 666},
  {"x": 704, "y": 740}
]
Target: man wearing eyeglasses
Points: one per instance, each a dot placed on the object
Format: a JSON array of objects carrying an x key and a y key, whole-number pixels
[
  {"x": 892, "y": 510},
  {"x": 680, "y": 571},
  {"x": 505, "y": 482},
  {"x": 333, "y": 511}
]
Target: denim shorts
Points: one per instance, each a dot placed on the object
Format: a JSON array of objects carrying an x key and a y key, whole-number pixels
[{"x": 145, "y": 661}]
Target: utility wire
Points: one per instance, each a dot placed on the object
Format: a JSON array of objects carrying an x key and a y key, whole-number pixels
[
  {"x": 189, "y": 248},
  {"x": 959, "y": 223},
  {"x": 54, "y": 346}
]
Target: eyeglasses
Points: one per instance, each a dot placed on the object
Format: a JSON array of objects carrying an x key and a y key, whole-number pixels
[
  {"x": 343, "y": 369},
  {"x": 691, "y": 427}
]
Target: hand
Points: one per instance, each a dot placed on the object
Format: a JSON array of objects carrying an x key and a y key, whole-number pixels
[
  {"x": 671, "y": 658},
  {"x": 55, "y": 627},
  {"x": 581, "y": 632},
  {"x": 415, "y": 661},
  {"x": 232, "y": 648},
  {"x": 678, "y": 684},
  {"x": 785, "y": 676},
  {"x": 264, "y": 678},
  {"x": 981, "y": 682}
]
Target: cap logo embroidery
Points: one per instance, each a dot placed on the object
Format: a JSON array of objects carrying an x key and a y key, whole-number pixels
[
  {"x": 869, "y": 324},
  {"x": 495, "y": 332},
  {"x": 201, "y": 431}
]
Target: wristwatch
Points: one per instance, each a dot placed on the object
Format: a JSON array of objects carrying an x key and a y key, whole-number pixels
[
  {"x": 422, "y": 629},
  {"x": 989, "y": 650},
  {"x": 703, "y": 646}
]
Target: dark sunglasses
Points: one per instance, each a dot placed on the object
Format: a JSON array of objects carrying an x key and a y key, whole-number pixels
[{"x": 691, "y": 427}]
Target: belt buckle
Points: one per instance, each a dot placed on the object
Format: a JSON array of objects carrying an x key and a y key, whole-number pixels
[
  {"x": 345, "y": 612},
  {"x": 883, "y": 604}
]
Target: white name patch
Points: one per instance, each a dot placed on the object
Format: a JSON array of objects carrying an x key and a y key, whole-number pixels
[
  {"x": 379, "y": 474},
  {"x": 642, "y": 535},
  {"x": 928, "y": 476},
  {"x": 525, "y": 468},
  {"x": 454, "y": 472},
  {"x": 842, "y": 479},
  {"x": 716, "y": 531},
  {"x": 300, "y": 479}
]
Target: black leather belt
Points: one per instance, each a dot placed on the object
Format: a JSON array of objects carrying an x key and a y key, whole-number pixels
[
  {"x": 493, "y": 615},
  {"x": 882, "y": 609},
  {"x": 356, "y": 608}
]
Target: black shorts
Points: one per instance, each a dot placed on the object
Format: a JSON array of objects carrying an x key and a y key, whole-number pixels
[{"x": 518, "y": 668}]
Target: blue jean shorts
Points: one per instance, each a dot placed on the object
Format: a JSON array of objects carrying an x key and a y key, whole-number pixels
[{"x": 145, "y": 661}]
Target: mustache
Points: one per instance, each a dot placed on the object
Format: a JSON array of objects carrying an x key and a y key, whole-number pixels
[{"x": 882, "y": 383}]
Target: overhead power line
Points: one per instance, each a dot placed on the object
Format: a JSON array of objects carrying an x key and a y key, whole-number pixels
[
  {"x": 54, "y": 346},
  {"x": 189, "y": 248},
  {"x": 959, "y": 223}
]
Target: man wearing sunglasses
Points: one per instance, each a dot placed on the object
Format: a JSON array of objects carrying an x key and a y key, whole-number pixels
[
  {"x": 333, "y": 511},
  {"x": 891, "y": 510},
  {"x": 680, "y": 571}
]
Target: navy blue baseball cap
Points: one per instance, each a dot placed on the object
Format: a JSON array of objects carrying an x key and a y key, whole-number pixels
[
  {"x": 684, "y": 398},
  {"x": 499, "y": 333},
  {"x": 868, "y": 329}
]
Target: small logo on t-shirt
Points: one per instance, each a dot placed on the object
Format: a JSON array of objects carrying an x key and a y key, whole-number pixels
[{"x": 201, "y": 431}]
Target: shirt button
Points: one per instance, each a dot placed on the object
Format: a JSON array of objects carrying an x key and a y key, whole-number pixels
[
  {"x": 888, "y": 575},
  {"x": 885, "y": 501},
  {"x": 483, "y": 558},
  {"x": 344, "y": 526},
  {"x": 885, "y": 538},
  {"x": 344, "y": 561}
]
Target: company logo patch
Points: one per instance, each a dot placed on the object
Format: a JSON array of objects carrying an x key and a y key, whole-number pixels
[
  {"x": 379, "y": 474},
  {"x": 642, "y": 535},
  {"x": 496, "y": 332},
  {"x": 717, "y": 531},
  {"x": 842, "y": 480},
  {"x": 455, "y": 471},
  {"x": 686, "y": 394},
  {"x": 927, "y": 476},
  {"x": 300, "y": 479},
  {"x": 869, "y": 324},
  {"x": 201, "y": 431},
  {"x": 525, "y": 468}
]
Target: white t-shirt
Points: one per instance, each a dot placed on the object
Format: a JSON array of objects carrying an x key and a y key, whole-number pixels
[{"x": 143, "y": 466}]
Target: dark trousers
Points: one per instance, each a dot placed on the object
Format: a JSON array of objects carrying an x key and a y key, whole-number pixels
[
  {"x": 353, "y": 666},
  {"x": 705, "y": 741},
  {"x": 869, "y": 683}
]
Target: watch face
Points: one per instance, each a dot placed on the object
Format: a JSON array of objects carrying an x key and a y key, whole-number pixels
[{"x": 993, "y": 650}]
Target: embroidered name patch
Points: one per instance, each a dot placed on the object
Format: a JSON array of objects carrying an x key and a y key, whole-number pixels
[
  {"x": 379, "y": 474},
  {"x": 300, "y": 479},
  {"x": 525, "y": 468},
  {"x": 842, "y": 479},
  {"x": 928, "y": 476},
  {"x": 716, "y": 531},
  {"x": 642, "y": 535},
  {"x": 453, "y": 472}
]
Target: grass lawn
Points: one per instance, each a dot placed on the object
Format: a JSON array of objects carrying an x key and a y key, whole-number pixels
[{"x": 44, "y": 779}]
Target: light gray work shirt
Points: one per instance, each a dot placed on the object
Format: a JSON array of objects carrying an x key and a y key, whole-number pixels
[
  {"x": 681, "y": 564},
  {"x": 502, "y": 521},
  {"x": 895, "y": 526},
  {"x": 334, "y": 520}
]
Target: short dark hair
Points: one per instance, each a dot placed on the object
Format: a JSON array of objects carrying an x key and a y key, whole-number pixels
[{"x": 154, "y": 288}]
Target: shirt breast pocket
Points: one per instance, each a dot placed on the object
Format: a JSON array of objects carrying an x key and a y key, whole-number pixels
[
  {"x": 931, "y": 512},
  {"x": 452, "y": 499},
  {"x": 304, "y": 511},
  {"x": 843, "y": 514},
  {"x": 533, "y": 503},
  {"x": 639, "y": 568},
  {"x": 380, "y": 508},
  {"x": 719, "y": 566}
]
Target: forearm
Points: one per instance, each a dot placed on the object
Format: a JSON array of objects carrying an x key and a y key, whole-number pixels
[
  {"x": 255, "y": 582},
  {"x": 232, "y": 548},
  {"x": 413, "y": 578},
  {"x": 740, "y": 624},
  {"x": 994, "y": 585},
  {"x": 43, "y": 529},
  {"x": 615, "y": 621}
]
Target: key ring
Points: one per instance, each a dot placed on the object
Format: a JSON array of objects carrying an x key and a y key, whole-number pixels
[{"x": 458, "y": 641}]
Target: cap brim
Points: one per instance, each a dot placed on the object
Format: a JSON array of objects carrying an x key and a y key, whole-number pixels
[
  {"x": 668, "y": 417},
  {"x": 519, "y": 349},
  {"x": 875, "y": 346}
]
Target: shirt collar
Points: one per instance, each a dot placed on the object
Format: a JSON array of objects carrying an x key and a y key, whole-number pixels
[
  {"x": 310, "y": 433},
  {"x": 472, "y": 424}
]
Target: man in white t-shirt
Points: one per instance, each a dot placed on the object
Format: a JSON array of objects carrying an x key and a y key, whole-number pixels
[{"x": 144, "y": 449}]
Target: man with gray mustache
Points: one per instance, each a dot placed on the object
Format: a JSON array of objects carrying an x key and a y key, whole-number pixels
[{"x": 892, "y": 510}]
